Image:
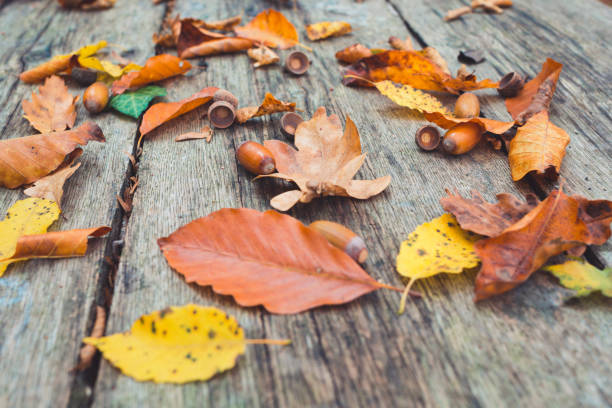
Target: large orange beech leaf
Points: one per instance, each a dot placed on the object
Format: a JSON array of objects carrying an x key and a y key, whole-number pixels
[
  {"x": 268, "y": 259},
  {"x": 448, "y": 121},
  {"x": 156, "y": 69},
  {"x": 53, "y": 108},
  {"x": 271, "y": 28},
  {"x": 57, "y": 244},
  {"x": 269, "y": 106},
  {"x": 410, "y": 68},
  {"x": 476, "y": 215},
  {"x": 197, "y": 42},
  {"x": 536, "y": 94},
  {"x": 538, "y": 146},
  {"x": 324, "y": 164},
  {"x": 557, "y": 224},
  {"x": 164, "y": 111},
  {"x": 26, "y": 159}
]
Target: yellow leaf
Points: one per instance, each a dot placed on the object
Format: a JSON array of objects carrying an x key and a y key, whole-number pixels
[
  {"x": 107, "y": 67},
  {"x": 435, "y": 247},
  {"x": 25, "y": 217},
  {"x": 405, "y": 95},
  {"x": 583, "y": 277},
  {"x": 89, "y": 50},
  {"x": 177, "y": 345}
]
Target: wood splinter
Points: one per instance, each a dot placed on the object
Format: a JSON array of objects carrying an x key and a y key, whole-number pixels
[{"x": 494, "y": 6}]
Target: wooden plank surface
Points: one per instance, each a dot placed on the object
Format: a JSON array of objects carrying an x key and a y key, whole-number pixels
[
  {"x": 519, "y": 349},
  {"x": 46, "y": 306}
]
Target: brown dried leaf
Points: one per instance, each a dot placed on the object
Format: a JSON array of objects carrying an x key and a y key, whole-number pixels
[
  {"x": 196, "y": 42},
  {"x": 399, "y": 44},
  {"x": 269, "y": 105},
  {"x": 353, "y": 53},
  {"x": 88, "y": 351},
  {"x": 448, "y": 121},
  {"x": 434, "y": 56},
  {"x": 55, "y": 65},
  {"x": 53, "y": 108},
  {"x": 227, "y": 24},
  {"x": 263, "y": 56},
  {"x": 205, "y": 133},
  {"x": 87, "y": 4},
  {"x": 51, "y": 187},
  {"x": 324, "y": 164},
  {"x": 326, "y": 29}
]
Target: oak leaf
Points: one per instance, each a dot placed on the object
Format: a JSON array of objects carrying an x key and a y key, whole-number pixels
[
  {"x": 155, "y": 69},
  {"x": 324, "y": 164},
  {"x": 51, "y": 187},
  {"x": 353, "y": 53},
  {"x": 583, "y": 277},
  {"x": 447, "y": 121},
  {"x": 410, "y": 68},
  {"x": 537, "y": 94},
  {"x": 268, "y": 106},
  {"x": 53, "y": 108},
  {"x": 405, "y": 95},
  {"x": 164, "y": 111},
  {"x": 326, "y": 29},
  {"x": 438, "y": 246},
  {"x": 557, "y": 224},
  {"x": 271, "y": 28},
  {"x": 25, "y": 217},
  {"x": 177, "y": 345},
  {"x": 262, "y": 56},
  {"x": 268, "y": 259},
  {"x": 483, "y": 218},
  {"x": 136, "y": 102},
  {"x": 198, "y": 42},
  {"x": 538, "y": 146},
  {"x": 24, "y": 160}
]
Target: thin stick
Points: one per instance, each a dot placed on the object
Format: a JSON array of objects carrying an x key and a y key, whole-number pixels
[
  {"x": 270, "y": 342},
  {"x": 402, "y": 306}
]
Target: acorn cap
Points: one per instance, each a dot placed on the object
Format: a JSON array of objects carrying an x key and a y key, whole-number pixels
[
  {"x": 297, "y": 63},
  {"x": 290, "y": 122},
  {"x": 83, "y": 76},
  {"x": 221, "y": 114},
  {"x": 510, "y": 85},
  {"x": 225, "y": 95},
  {"x": 428, "y": 138}
]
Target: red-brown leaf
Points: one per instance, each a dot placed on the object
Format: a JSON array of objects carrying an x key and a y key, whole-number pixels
[{"x": 198, "y": 42}]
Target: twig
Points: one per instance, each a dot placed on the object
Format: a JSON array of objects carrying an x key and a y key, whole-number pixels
[{"x": 495, "y": 6}]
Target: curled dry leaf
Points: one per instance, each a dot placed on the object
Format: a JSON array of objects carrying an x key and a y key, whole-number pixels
[
  {"x": 25, "y": 217},
  {"x": 53, "y": 108},
  {"x": 88, "y": 351},
  {"x": 557, "y": 224},
  {"x": 87, "y": 4},
  {"x": 536, "y": 94},
  {"x": 476, "y": 215},
  {"x": 538, "y": 146},
  {"x": 222, "y": 25},
  {"x": 326, "y": 29},
  {"x": 190, "y": 343},
  {"x": 271, "y": 28},
  {"x": 268, "y": 259},
  {"x": 197, "y": 42},
  {"x": 434, "y": 56},
  {"x": 583, "y": 277},
  {"x": 268, "y": 106},
  {"x": 164, "y": 111},
  {"x": 24, "y": 160},
  {"x": 399, "y": 44},
  {"x": 405, "y": 95},
  {"x": 448, "y": 121},
  {"x": 51, "y": 187},
  {"x": 205, "y": 133},
  {"x": 410, "y": 68},
  {"x": 156, "y": 69},
  {"x": 353, "y": 53},
  {"x": 263, "y": 56},
  {"x": 324, "y": 164}
]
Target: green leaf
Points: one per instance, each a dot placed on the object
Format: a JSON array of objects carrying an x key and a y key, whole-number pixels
[
  {"x": 134, "y": 103},
  {"x": 583, "y": 277}
]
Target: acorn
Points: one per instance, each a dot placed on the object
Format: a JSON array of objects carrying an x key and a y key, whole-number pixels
[
  {"x": 427, "y": 137},
  {"x": 343, "y": 238},
  {"x": 462, "y": 138},
  {"x": 467, "y": 106},
  {"x": 225, "y": 95},
  {"x": 221, "y": 114},
  {"x": 290, "y": 122},
  {"x": 510, "y": 85},
  {"x": 84, "y": 76},
  {"x": 255, "y": 157},
  {"x": 297, "y": 63},
  {"x": 95, "y": 97}
]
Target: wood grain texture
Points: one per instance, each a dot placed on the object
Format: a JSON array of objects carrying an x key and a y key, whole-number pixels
[
  {"x": 518, "y": 349},
  {"x": 47, "y": 306}
]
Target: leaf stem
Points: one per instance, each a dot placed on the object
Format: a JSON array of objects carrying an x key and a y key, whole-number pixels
[
  {"x": 405, "y": 296},
  {"x": 395, "y": 288},
  {"x": 271, "y": 342}
]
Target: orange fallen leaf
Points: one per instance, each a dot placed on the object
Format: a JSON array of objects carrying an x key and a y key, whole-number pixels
[
  {"x": 353, "y": 53},
  {"x": 538, "y": 146},
  {"x": 268, "y": 106},
  {"x": 51, "y": 187},
  {"x": 53, "y": 108},
  {"x": 222, "y": 25},
  {"x": 262, "y": 56},
  {"x": 271, "y": 28},
  {"x": 205, "y": 133},
  {"x": 326, "y": 29},
  {"x": 324, "y": 164},
  {"x": 448, "y": 121},
  {"x": 164, "y": 111},
  {"x": 557, "y": 224},
  {"x": 267, "y": 259},
  {"x": 197, "y": 42},
  {"x": 536, "y": 94},
  {"x": 88, "y": 351},
  {"x": 55, "y": 65},
  {"x": 156, "y": 69},
  {"x": 398, "y": 44},
  {"x": 410, "y": 68},
  {"x": 24, "y": 160}
]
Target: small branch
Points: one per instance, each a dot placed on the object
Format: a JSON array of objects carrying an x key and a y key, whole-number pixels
[{"x": 270, "y": 342}]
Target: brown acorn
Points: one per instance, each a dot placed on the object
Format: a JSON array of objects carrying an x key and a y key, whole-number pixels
[
  {"x": 297, "y": 63},
  {"x": 290, "y": 122},
  {"x": 462, "y": 138},
  {"x": 343, "y": 238},
  {"x": 467, "y": 106},
  {"x": 225, "y": 95},
  {"x": 255, "y": 157},
  {"x": 95, "y": 97},
  {"x": 221, "y": 114},
  {"x": 510, "y": 85},
  {"x": 428, "y": 137}
]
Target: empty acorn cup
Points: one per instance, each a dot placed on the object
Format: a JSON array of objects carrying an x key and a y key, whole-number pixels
[
  {"x": 297, "y": 63},
  {"x": 221, "y": 114},
  {"x": 290, "y": 122}
]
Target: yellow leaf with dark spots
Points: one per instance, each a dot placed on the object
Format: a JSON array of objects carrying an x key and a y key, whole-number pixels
[{"x": 405, "y": 95}]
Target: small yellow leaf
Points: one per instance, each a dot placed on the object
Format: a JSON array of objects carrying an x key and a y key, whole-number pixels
[
  {"x": 405, "y": 95},
  {"x": 175, "y": 345},
  {"x": 107, "y": 67},
  {"x": 89, "y": 50},
  {"x": 583, "y": 277},
  {"x": 438, "y": 246},
  {"x": 25, "y": 217}
]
